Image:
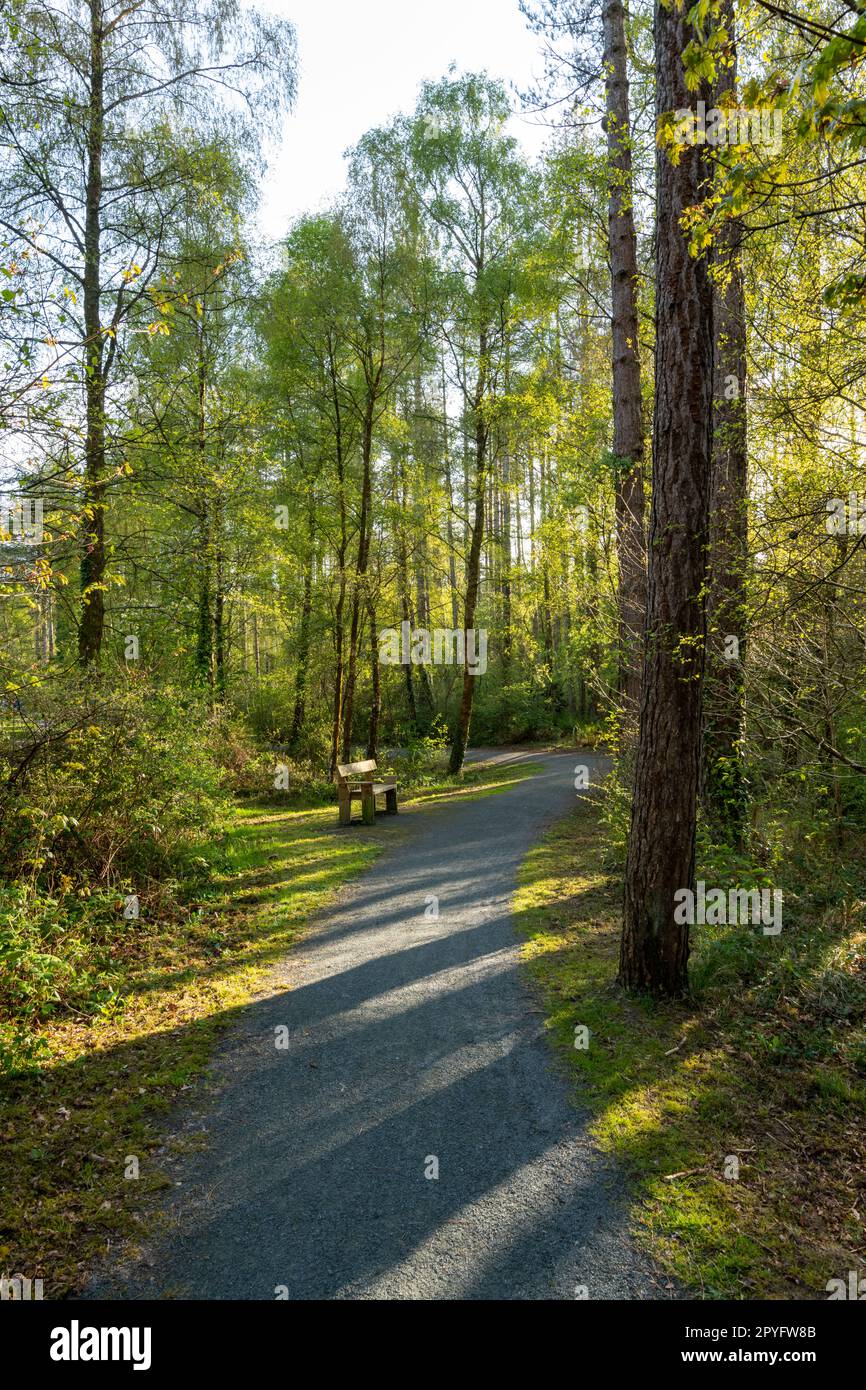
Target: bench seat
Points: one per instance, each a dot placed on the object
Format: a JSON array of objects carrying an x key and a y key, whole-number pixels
[{"x": 351, "y": 787}]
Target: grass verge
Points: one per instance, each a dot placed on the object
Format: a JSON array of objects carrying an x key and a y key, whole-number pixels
[
  {"x": 79, "y": 1133},
  {"x": 762, "y": 1073}
]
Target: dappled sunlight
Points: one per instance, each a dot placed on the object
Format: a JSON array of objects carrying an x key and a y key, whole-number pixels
[{"x": 494, "y": 1226}]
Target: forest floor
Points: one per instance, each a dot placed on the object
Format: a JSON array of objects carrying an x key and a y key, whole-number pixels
[
  {"x": 740, "y": 1115},
  {"x": 80, "y": 1135},
  {"x": 184, "y": 1146},
  {"x": 387, "y": 1120}
]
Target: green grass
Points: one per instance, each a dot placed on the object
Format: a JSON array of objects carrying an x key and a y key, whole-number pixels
[
  {"x": 763, "y": 1065},
  {"x": 69, "y": 1125}
]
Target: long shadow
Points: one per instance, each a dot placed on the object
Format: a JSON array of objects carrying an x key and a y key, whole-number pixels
[
  {"x": 318, "y": 1174},
  {"x": 339, "y": 1204},
  {"x": 396, "y": 1056}
]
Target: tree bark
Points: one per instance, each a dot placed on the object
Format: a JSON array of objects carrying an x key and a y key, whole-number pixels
[
  {"x": 341, "y": 562},
  {"x": 628, "y": 430},
  {"x": 93, "y": 553},
  {"x": 473, "y": 561},
  {"x": 358, "y": 594},
  {"x": 300, "y": 710},
  {"x": 376, "y": 684},
  {"x": 661, "y": 851},
  {"x": 724, "y": 793},
  {"x": 449, "y": 502}
]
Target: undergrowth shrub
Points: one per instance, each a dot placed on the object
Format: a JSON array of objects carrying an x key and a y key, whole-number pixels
[
  {"x": 120, "y": 784},
  {"x": 107, "y": 795}
]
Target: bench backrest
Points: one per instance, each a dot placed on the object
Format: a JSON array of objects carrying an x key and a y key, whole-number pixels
[{"x": 346, "y": 770}]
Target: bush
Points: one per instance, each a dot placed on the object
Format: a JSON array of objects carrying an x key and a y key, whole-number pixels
[
  {"x": 246, "y": 769},
  {"x": 109, "y": 784},
  {"x": 57, "y": 955}
]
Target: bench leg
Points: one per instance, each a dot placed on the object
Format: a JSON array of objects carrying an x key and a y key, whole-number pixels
[
  {"x": 368, "y": 808},
  {"x": 345, "y": 809},
  {"x": 391, "y": 801}
]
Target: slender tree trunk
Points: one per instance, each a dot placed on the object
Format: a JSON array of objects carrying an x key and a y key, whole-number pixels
[
  {"x": 204, "y": 654},
  {"x": 341, "y": 562},
  {"x": 724, "y": 789},
  {"x": 358, "y": 595},
  {"x": 661, "y": 850},
  {"x": 449, "y": 500},
  {"x": 473, "y": 561},
  {"x": 544, "y": 558},
  {"x": 219, "y": 644},
  {"x": 420, "y": 547},
  {"x": 300, "y": 709},
  {"x": 376, "y": 686},
  {"x": 93, "y": 556},
  {"x": 405, "y": 601},
  {"x": 204, "y": 643},
  {"x": 507, "y": 562},
  {"x": 628, "y": 431},
  {"x": 219, "y": 599}
]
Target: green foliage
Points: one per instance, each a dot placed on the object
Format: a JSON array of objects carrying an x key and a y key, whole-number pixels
[
  {"x": 109, "y": 785},
  {"x": 59, "y": 955}
]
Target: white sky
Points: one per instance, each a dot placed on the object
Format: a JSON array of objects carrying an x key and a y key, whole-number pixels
[{"x": 362, "y": 61}]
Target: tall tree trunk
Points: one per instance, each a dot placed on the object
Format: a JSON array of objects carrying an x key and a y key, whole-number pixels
[
  {"x": 449, "y": 501},
  {"x": 93, "y": 554},
  {"x": 219, "y": 640},
  {"x": 420, "y": 548},
  {"x": 723, "y": 784},
  {"x": 342, "y": 553},
  {"x": 628, "y": 431},
  {"x": 376, "y": 685},
  {"x": 359, "y": 588},
  {"x": 544, "y": 560},
  {"x": 300, "y": 709},
  {"x": 661, "y": 850},
  {"x": 204, "y": 653},
  {"x": 507, "y": 563},
  {"x": 473, "y": 560},
  {"x": 405, "y": 600}
]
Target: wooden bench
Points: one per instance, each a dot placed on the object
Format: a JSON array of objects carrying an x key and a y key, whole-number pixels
[{"x": 350, "y": 788}]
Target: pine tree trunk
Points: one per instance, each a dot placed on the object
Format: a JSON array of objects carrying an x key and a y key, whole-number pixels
[
  {"x": 661, "y": 850},
  {"x": 628, "y": 431},
  {"x": 723, "y": 784}
]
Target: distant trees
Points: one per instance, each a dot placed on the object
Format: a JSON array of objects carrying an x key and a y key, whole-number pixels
[
  {"x": 477, "y": 198},
  {"x": 104, "y": 113}
]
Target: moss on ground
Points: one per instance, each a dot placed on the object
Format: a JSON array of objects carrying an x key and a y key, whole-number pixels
[{"x": 763, "y": 1066}]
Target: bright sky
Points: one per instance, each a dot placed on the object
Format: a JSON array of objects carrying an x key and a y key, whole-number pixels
[{"x": 362, "y": 61}]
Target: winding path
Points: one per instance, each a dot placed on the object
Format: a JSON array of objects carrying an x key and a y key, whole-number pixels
[{"x": 410, "y": 1039}]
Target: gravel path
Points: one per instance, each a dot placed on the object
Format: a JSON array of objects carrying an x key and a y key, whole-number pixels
[{"x": 413, "y": 1043}]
